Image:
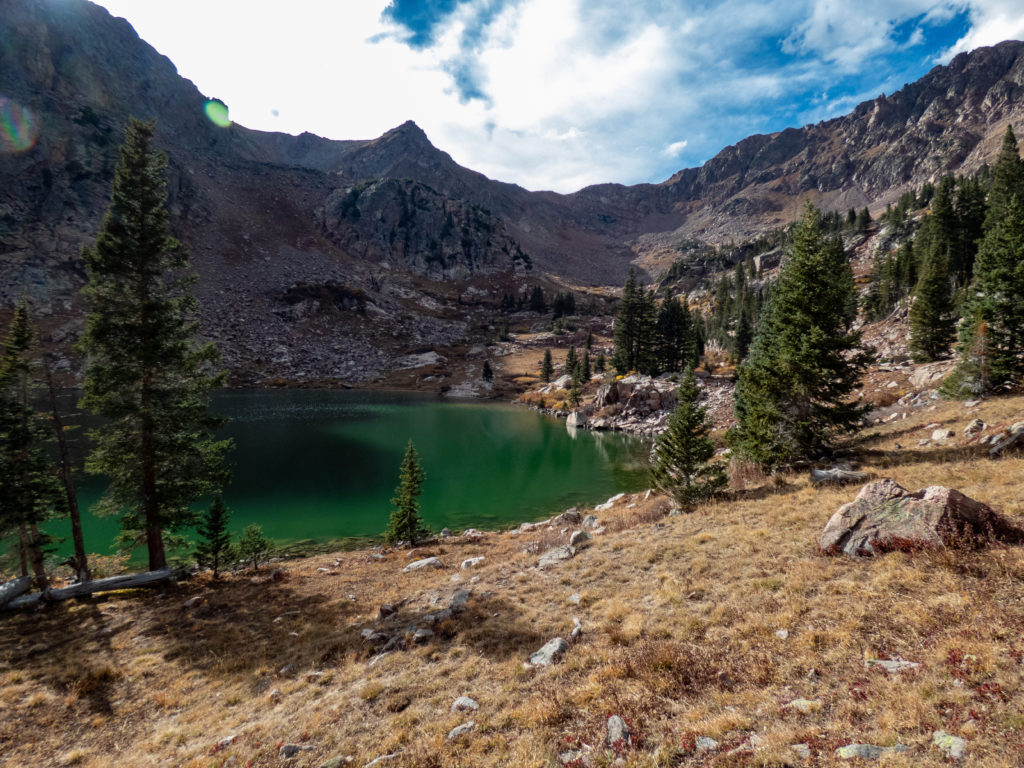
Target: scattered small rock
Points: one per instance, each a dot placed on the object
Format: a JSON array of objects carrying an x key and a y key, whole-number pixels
[
  {"x": 275, "y": 695},
  {"x": 386, "y": 610},
  {"x": 465, "y": 704},
  {"x": 461, "y": 730},
  {"x": 610, "y": 503},
  {"x": 705, "y": 744},
  {"x": 803, "y": 706},
  {"x": 952, "y": 746},
  {"x": 974, "y": 427},
  {"x": 575, "y": 598},
  {"x": 445, "y": 533},
  {"x": 578, "y": 539},
  {"x": 939, "y": 435},
  {"x": 802, "y": 750},
  {"x": 193, "y": 602},
  {"x": 571, "y": 516},
  {"x": 591, "y": 521},
  {"x": 892, "y": 666},
  {"x": 868, "y": 751},
  {"x": 472, "y": 562},
  {"x": 782, "y": 634},
  {"x": 421, "y": 636},
  {"x": 618, "y": 732},
  {"x": 288, "y": 751},
  {"x": 381, "y": 759},
  {"x": 427, "y": 562},
  {"x": 549, "y": 653},
  {"x": 555, "y": 556},
  {"x": 459, "y": 600}
]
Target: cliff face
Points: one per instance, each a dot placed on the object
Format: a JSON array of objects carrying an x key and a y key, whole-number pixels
[{"x": 285, "y": 231}]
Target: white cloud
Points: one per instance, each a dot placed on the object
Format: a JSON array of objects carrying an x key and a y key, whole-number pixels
[
  {"x": 992, "y": 21},
  {"x": 675, "y": 149},
  {"x": 575, "y": 92}
]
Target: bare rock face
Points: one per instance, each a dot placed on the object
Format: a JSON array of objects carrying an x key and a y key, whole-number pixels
[{"x": 885, "y": 517}]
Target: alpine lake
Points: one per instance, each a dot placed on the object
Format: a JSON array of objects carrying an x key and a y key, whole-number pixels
[{"x": 316, "y": 469}]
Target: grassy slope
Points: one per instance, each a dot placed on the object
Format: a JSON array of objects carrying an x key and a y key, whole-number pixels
[{"x": 679, "y": 616}]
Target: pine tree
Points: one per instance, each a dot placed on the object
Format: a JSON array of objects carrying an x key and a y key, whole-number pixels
[
  {"x": 145, "y": 373},
  {"x": 214, "y": 548},
  {"x": 406, "y": 523},
  {"x": 253, "y": 546},
  {"x": 635, "y": 329},
  {"x": 992, "y": 340},
  {"x": 793, "y": 392},
  {"x": 676, "y": 342},
  {"x": 29, "y": 489},
  {"x": 744, "y": 335},
  {"x": 537, "y": 299},
  {"x": 585, "y": 372},
  {"x": 588, "y": 343},
  {"x": 572, "y": 361},
  {"x": 547, "y": 368},
  {"x": 683, "y": 452},
  {"x": 601, "y": 363},
  {"x": 487, "y": 373},
  {"x": 931, "y": 315}
]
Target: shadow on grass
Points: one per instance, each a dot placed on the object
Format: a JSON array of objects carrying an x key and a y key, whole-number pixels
[
  {"x": 240, "y": 626},
  {"x": 66, "y": 648},
  {"x": 880, "y": 459}
]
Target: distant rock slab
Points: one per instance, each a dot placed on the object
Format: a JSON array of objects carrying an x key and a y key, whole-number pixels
[
  {"x": 886, "y": 517},
  {"x": 837, "y": 476}
]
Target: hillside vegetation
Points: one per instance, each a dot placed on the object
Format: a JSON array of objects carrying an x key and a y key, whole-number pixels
[{"x": 699, "y": 626}]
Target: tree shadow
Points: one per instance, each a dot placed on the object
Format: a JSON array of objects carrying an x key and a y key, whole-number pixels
[
  {"x": 879, "y": 459},
  {"x": 65, "y": 648}
]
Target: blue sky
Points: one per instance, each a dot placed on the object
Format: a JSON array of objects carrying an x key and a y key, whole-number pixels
[{"x": 559, "y": 94}]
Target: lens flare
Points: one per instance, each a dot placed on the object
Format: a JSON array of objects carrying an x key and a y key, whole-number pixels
[
  {"x": 19, "y": 128},
  {"x": 217, "y": 111}
]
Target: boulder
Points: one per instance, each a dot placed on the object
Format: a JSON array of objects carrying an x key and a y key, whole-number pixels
[
  {"x": 571, "y": 516},
  {"x": 1008, "y": 442},
  {"x": 892, "y": 666},
  {"x": 576, "y": 420},
  {"x": 837, "y": 476},
  {"x": 607, "y": 394},
  {"x": 803, "y": 706},
  {"x": 885, "y": 516},
  {"x": 459, "y": 600},
  {"x": 555, "y": 556},
  {"x": 427, "y": 562},
  {"x": 549, "y": 653},
  {"x": 288, "y": 751},
  {"x": 591, "y": 522},
  {"x": 472, "y": 562},
  {"x": 939, "y": 435}
]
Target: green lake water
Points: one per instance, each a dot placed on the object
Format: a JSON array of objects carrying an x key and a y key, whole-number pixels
[{"x": 323, "y": 464}]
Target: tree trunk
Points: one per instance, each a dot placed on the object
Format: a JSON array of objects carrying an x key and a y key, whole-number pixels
[
  {"x": 22, "y": 556},
  {"x": 31, "y": 546},
  {"x": 129, "y": 581},
  {"x": 81, "y": 564},
  {"x": 151, "y": 511}
]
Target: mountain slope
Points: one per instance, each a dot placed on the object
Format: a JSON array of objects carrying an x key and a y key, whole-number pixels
[{"x": 269, "y": 217}]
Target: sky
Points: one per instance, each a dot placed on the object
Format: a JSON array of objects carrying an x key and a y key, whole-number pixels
[{"x": 560, "y": 94}]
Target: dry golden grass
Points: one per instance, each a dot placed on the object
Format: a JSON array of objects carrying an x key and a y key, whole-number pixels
[{"x": 679, "y": 619}]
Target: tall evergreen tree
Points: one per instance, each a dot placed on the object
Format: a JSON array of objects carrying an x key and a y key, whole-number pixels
[
  {"x": 635, "y": 329},
  {"x": 793, "y": 392},
  {"x": 992, "y": 340},
  {"x": 145, "y": 373},
  {"x": 214, "y": 548},
  {"x": 675, "y": 336},
  {"x": 547, "y": 367},
  {"x": 932, "y": 324},
  {"x": 406, "y": 523},
  {"x": 744, "y": 335},
  {"x": 29, "y": 490},
  {"x": 585, "y": 372},
  {"x": 572, "y": 360},
  {"x": 683, "y": 452}
]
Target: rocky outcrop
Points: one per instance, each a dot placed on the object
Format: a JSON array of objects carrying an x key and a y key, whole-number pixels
[
  {"x": 312, "y": 254},
  {"x": 885, "y": 517}
]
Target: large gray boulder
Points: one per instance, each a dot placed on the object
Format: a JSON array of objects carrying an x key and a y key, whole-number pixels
[{"x": 885, "y": 517}]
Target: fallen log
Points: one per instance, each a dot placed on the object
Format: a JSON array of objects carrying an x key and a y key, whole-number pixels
[
  {"x": 11, "y": 589},
  {"x": 110, "y": 584}
]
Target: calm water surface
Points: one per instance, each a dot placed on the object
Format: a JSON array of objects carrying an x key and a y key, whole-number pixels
[{"x": 323, "y": 464}]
